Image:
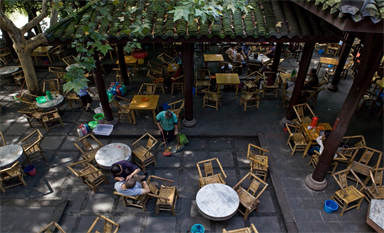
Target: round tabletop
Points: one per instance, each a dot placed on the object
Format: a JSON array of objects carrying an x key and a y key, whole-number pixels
[
  {"x": 5, "y": 70},
  {"x": 375, "y": 217},
  {"x": 217, "y": 201},
  {"x": 9, "y": 154},
  {"x": 56, "y": 100},
  {"x": 112, "y": 153}
]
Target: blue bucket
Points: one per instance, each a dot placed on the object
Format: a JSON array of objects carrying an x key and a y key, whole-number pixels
[
  {"x": 330, "y": 206},
  {"x": 197, "y": 228}
]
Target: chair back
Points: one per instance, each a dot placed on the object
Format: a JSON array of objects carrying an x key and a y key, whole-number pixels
[
  {"x": 51, "y": 228},
  {"x": 58, "y": 71},
  {"x": 377, "y": 176},
  {"x": 147, "y": 89},
  {"x": 303, "y": 110},
  {"x": 69, "y": 60},
  {"x": 53, "y": 85},
  {"x": 253, "y": 187},
  {"x": 31, "y": 141},
  {"x": 341, "y": 178},
  {"x": 88, "y": 143},
  {"x": 368, "y": 156},
  {"x": 208, "y": 168},
  {"x": 254, "y": 151}
]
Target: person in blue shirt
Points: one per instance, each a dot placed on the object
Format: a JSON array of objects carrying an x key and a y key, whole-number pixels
[
  {"x": 85, "y": 98},
  {"x": 132, "y": 187},
  {"x": 167, "y": 123}
]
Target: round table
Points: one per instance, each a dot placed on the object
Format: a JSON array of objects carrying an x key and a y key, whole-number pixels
[
  {"x": 5, "y": 70},
  {"x": 56, "y": 100},
  {"x": 9, "y": 154},
  {"x": 112, "y": 153},
  {"x": 217, "y": 201}
]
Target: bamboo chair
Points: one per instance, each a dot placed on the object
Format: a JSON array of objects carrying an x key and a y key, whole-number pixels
[
  {"x": 165, "y": 194},
  {"x": 72, "y": 98},
  {"x": 177, "y": 84},
  {"x": 12, "y": 173},
  {"x": 147, "y": 89},
  {"x": 209, "y": 176},
  {"x": 124, "y": 110},
  {"x": 250, "y": 99},
  {"x": 52, "y": 85},
  {"x": 2, "y": 139},
  {"x": 139, "y": 201},
  {"x": 211, "y": 99},
  {"x": 88, "y": 145},
  {"x": 296, "y": 140},
  {"x": 273, "y": 87},
  {"x": 58, "y": 71},
  {"x": 142, "y": 150},
  {"x": 177, "y": 107},
  {"x": 31, "y": 145},
  {"x": 56, "y": 53},
  {"x": 69, "y": 60},
  {"x": 304, "y": 113},
  {"x": 347, "y": 148},
  {"x": 32, "y": 115},
  {"x": 250, "y": 229},
  {"x": 51, "y": 228},
  {"x": 27, "y": 99},
  {"x": 348, "y": 196},
  {"x": 51, "y": 119},
  {"x": 108, "y": 225},
  {"x": 203, "y": 81},
  {"x": 259, "y": 160},
  {"x": 156, "y": 79},
  {"x": 88, "y": 173},
  {"x": 249, "y": 196},
  {"x": 376, "y": 189},
  {"x": 368, "y": 156}
]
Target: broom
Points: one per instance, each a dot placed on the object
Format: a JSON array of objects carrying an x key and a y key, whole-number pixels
[{"x": 166, "y": 152}]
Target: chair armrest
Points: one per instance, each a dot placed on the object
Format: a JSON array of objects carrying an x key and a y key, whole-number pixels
[
  {"x": 160, "y": 178},
  {"x": 157, "y": 196}
]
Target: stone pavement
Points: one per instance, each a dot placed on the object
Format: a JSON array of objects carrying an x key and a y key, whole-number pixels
[{"x": 287, "y": 205}]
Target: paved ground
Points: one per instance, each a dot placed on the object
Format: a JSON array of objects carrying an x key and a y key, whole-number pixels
[{"x": 287, "y": 205}]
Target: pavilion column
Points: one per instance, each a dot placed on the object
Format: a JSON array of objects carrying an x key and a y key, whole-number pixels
[
  {"x": 301, "y": 75},
  {"x": 100, "y": 85},
  {"x": 188, "y": 71},
  {"x": 276, "y": 58},
  {"x": 345, "y": 49},
  {"x": 370, "y": 59},
  {"x": 122, "y": 65}
]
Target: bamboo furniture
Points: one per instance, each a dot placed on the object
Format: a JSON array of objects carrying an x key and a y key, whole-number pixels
[
  {"x": 259, "y": 160},
  {"x": 165, "y": 194},
  {"x": 209, "y": 177},
  {"x": 142, "y": 150},
  {"x": 42, "y": 51},
  {"x": 31, "y": 114},
  {"x": 250, "y": 229},
  {"x": 139, "y": 201},
  {"x": 51, "y": 228},
  {"x": 108, "y": 225},
  {"x": 227, "y": 79},
  {"x": 211, "y": 99},
  {"x": 177, "y": 84},
  {"x": 88, "y": 173},
  {"x": 69, "y": 60},
  {"x": 296, "y": 140},
  {"x": 88, "y": 145},
  {"x": 124, "y": 110},
  {"x": 145, "y": 102},
  {"x": 147, "y": 89},
  {"x": 273, "y": 86},
  {"x": 304, "y": 113},
  {"x": 11, "y": 173},
  {"x": 249, "y": 195},
  {"x": 250, "y": 99},
  {"x": 51, "y": 118},
  {"x": 31, "y": 145},
  {"x": 52, "y": 85},
  {"x": 375, "y": 188}
]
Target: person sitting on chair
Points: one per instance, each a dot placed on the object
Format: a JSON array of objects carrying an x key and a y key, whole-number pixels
[
  {"x": 124, "y": 170},
  {"x": 132, "y": 187},
  {"x": 167, "y": 123}
]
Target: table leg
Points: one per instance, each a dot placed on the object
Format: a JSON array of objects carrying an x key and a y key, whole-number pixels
[{"x": 237, "y": 89}]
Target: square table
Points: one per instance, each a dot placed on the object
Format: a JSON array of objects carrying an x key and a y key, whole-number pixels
[
  {"x": 213, "y": 58},
  {"x": 312, "y": 134},
  {"x": 145, "y": 102},
  {"x": 42, "y": 51},
  {"x": 228, "y": 79}
]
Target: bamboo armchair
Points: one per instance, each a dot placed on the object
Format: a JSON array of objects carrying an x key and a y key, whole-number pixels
[
  {"x": 250, "y": 99},
  {"x": 88, "y": 173},
  {"x": 156, "y": 78},
  {"x": 368, "y": 156},
  {"x": 177, "y": 107},
  {"x": 108, "y": 225},
  {"x": 53, "y": 85},
  {"x": 88, "y": 145},
  {"x": 304, "y": 113},
  {"x": 249, "y": 196},
  {"x": 124, "y": 110},
  {"x": 211, "y": 99},
  {"x": 52, "y": 227},
  {"x": 177, "y": 83},
  {"x": 209, "y": 176},
  {"x": 375, "y": 190},
  {"x": 142, "y": 150},
  {"x": 259, "y": 160},
  {"x": 31, "y": 145},
  {"x": 165, "y": 194},
  {"x": 32, "y": 115},
  {"x": 139, "y": 201},
  {"x": 2, "y": 139},
  {"x": 69, "y": 60},
  {"x": 12, "y": 173},
  {"x": 27, "y": 99},
  {"x": 147, "y": 89},
  {"x": 250, "y": 229},
  {"x": 56, "y": 53},
  {"x": 274, "y": 86},
  {"x": 51, "y": 119},
  {"x": 58, "y": 71},
  {"x": 348, "y": 196},
  {"x": 296, "y": 139},
  {"x": 203, "y": 80}
]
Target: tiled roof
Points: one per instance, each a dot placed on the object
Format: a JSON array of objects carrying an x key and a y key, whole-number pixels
[
  {"x": 267, "y": 19},
  {"x": 356, "y": 9}
]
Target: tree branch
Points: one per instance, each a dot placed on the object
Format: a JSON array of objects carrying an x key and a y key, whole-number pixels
[
  {"x": 35, "y": 41},
  {"x": 7, "y": 25},
  {"x": 37, "y": 19}
]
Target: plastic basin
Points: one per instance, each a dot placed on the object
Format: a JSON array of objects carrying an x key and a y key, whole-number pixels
[
  {"x": 98, "y": 116},
  {"x": 41, "y": 99},
  {"x": 330, "y": 206},
  {"x": 197, "y": 228},
  {"x": 92, "y": 124}
]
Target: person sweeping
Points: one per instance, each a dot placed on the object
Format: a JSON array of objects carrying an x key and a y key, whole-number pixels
[{"x": 167, "y": 124}]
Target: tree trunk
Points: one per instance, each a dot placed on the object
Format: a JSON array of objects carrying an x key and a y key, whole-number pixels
[{"x": 30, "y": 76}]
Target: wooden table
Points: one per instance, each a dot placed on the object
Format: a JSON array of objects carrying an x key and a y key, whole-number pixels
[
  {"x": 145, "y": 102},
  {"x": 329, "y": 60},
  {"x": 312, "y": 134},
  {"x": 42, "y": 51},
  {"x": 109, "y": 154},
  {"x": 213, "y": 58},
  {"x": 9, "y": 154},
  {"x": 228, "y": 79},
  {"x": 217, "y": 201},
  {"x": 375, "y": 216}
]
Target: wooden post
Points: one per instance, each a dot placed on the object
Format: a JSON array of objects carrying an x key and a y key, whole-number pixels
[
  {"x": 188, "y": 70},
  {"x": 347, "y": 45},
  {"x": 370, "y": 58},
  {"x": 102, "y": 91},
  {"x": 276, "y": 58},
  {"x": 302, "y": 74},
  {"x": 122, "y": 65}
]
